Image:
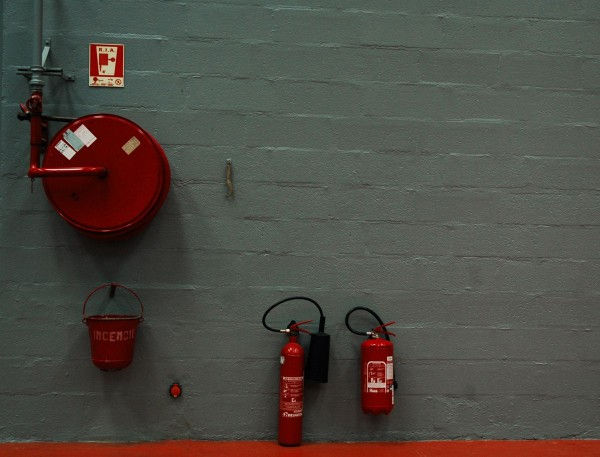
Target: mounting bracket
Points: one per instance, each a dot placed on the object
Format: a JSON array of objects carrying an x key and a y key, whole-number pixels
[{"x": 28, "y": 71}]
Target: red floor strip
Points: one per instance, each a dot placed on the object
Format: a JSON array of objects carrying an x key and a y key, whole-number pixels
[{"x": 553, "y": 448}]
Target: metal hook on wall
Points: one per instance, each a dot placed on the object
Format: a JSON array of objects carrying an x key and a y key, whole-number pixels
[{"x": 229, "y": 178}]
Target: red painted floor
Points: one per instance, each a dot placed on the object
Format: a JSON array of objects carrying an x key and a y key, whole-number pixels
[{"x": 559, "y": 448}]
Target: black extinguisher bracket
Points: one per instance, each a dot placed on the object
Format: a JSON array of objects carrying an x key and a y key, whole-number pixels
[{"x": 317, "y": 362}]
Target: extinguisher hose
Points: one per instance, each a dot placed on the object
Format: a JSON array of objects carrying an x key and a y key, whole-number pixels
[
  {"x": 372, "y": 313},
  {"x": 365, "y": 333},
  {"x": 272, "y": 307}
]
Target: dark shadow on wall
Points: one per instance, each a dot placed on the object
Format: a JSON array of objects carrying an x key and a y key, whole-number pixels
[
  {"x": 123, "y": 405},
  {"x": 156, "y": 255},
  {"x": 132, "y": 404}
]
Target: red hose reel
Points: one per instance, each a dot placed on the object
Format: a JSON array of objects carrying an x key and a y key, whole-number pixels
[{"x": 104, "y": 174}]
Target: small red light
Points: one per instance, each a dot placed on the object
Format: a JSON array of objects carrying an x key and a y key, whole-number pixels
[{"x": 175, "y": 390}]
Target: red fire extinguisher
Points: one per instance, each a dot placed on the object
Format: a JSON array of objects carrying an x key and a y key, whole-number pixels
[
  {"x": 378, "y": 380},
  {"x": 292, "y": 372}
]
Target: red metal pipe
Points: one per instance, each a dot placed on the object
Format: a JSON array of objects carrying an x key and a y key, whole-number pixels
[
  {"x": 34, "y": 105},
  {"x": 101, "y": 172}
]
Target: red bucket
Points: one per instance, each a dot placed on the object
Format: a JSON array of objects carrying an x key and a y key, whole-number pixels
[{"x": 112, "y": 336}]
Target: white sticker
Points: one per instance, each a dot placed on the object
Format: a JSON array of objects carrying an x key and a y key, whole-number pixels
[
  {"x": 376, "y": 375},
  {"x": 131, "y": 145},
  {"x": 65, "y": 149},
  {"x": 73, "y": 140},
  {"x": 85, "y": 135}
]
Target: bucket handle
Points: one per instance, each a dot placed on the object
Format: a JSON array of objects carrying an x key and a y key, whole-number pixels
[{"x": 113, "y": 286}]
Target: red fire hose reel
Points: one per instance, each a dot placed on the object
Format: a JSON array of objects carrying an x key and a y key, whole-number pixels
[{"x": 103, "y": 174}]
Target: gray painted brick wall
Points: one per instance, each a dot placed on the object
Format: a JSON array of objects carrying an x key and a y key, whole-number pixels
[{"x": 437, "y": 161}]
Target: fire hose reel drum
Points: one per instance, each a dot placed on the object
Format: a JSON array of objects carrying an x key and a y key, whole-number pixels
[{"x": 134, "y": 188}]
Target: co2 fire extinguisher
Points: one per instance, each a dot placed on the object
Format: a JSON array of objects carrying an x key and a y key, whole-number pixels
[
  {"x": 292, "y": 371},
  {"x": 378, "y": 380}
]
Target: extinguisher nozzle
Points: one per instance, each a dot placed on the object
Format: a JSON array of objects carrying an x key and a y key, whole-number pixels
[{"x": 317, "y": 364}]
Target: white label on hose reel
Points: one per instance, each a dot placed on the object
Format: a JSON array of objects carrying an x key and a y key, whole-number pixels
[
  {"x": 73, "y": 140},
  {"x": 85, "y": 135},
  {"x": 65, "y": 149},
  {"x": 131, "y": 145}
]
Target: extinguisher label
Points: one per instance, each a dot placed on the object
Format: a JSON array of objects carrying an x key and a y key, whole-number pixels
[
  {"x": 376, "y": 376},
  {"x": 291, "y": 397}
]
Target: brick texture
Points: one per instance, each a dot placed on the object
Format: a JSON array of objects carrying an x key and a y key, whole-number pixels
[{"x": 437, "y": 161}]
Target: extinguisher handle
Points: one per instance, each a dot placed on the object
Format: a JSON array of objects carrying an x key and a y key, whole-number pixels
[
  {"x": 382, "y": 328},
  {"x": 113, "y": 286},
  {"x": 296, "y": 327}
]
